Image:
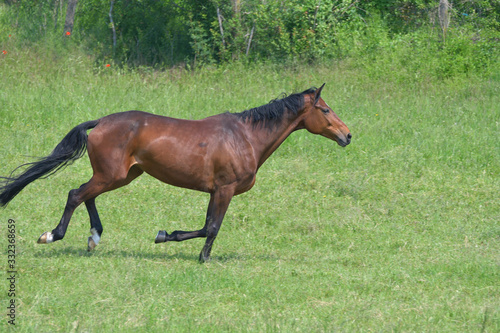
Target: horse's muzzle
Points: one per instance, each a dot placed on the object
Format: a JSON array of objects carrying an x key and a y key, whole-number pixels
[{"x": 345, "y": 140}]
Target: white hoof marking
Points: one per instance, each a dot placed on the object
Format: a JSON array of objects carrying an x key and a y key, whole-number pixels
[
  {"x": 46, "y": 238},
  {"x": 95, "y": 236}
]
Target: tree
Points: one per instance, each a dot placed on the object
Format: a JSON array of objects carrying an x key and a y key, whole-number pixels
[{"x": 70, "y": 17}]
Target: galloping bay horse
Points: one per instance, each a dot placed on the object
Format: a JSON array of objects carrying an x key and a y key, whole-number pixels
[{"x": 219, "y": 155}]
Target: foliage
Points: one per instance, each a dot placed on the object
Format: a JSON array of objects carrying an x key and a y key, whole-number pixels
[{"x": 165, "y": 33}]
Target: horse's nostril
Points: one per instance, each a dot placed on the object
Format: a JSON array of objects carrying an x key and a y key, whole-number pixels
[{"x": 349, "y": 136}]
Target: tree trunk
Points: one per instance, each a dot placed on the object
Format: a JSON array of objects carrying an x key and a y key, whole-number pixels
[
  {"x": 70, "y": 17},
  {"x": 236, "y": 8},
  {"x": 112, "y": 25},
  {"x": 444, "y": 16},
  {"x": 219, "y": 16},
  {"x": 250, "y": 40},
  {"x": 57, "y": 5}
]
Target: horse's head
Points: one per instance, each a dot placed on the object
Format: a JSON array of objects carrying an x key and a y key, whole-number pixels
[{"x": 319, "y": 118}]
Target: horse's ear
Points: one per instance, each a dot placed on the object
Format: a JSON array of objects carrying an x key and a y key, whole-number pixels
[{"x": 317, "y": 94}]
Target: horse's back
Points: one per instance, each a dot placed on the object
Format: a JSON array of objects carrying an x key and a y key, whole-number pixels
[{"x": 197, "y": 154}]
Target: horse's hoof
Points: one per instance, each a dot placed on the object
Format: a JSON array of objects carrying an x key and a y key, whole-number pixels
[
  {"x": 91, "y": 245},
  {"x": 161, "y": 237},
  {"x": 46, "y": 238},
  {"x": 203, "y": 259}
]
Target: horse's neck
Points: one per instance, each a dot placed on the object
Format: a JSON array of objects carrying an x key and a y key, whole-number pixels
[{"x": 265, "y": 141}]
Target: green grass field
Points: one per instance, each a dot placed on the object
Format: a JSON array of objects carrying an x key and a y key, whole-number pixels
[{"x": 399, "y": 231}]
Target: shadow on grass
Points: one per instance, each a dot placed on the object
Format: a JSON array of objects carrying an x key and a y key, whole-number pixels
[{"x": 73, "y": 251}]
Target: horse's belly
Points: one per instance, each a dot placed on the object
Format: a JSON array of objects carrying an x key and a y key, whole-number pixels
[{"x": 192, "y": 173}]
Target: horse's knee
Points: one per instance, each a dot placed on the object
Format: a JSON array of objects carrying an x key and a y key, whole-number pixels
[{"x": 212, "y": 231}]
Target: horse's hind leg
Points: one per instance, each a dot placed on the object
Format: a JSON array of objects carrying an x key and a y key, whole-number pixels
[
  {"x": 95, "y": 224},
  {"x": 96, "y": 228},
  {"x": 75, "y": 198},
  {"x": 87, "y": 193},
  {"x": 98, "y": 184}
]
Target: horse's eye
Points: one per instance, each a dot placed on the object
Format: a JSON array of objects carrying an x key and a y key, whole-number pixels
[{"x": 325, "y": 111}]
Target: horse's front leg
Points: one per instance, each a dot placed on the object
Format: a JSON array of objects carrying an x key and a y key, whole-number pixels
[
  {"x": 179, "y": 235},
  {"x": 221, "y": 199},
  {"x": 219, "y": 202}
]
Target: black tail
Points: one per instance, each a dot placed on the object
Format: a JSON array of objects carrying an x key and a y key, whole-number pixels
[{"x": 71, "y": 148}]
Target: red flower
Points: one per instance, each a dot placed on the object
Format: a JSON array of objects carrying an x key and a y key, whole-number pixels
[
  {"x": 68, "y": 33},
  {"x": 4, "y": 52},
  {"x": 108, "y": 65},
  {"x": 10, "y": 35}
]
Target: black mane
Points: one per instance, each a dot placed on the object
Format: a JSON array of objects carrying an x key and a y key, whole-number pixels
[{"x": 269, "y": 115}]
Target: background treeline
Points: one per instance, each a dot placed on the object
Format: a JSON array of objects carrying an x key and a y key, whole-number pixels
[{"x": 448, "y": 37}]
